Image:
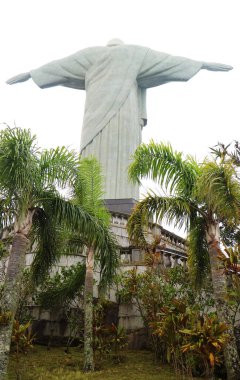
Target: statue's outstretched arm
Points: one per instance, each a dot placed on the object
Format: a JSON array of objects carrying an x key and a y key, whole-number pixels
[
  {"x": 216, "y": 66},
  {"x": 19, "y": 78},
  {"x": 159, "y": 68}
]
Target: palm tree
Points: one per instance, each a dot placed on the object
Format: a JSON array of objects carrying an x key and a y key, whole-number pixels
[
  {"x": 88, "y": 193},
  {"x": 198, "y": 197},
  {"x": 33, "y": 207}
]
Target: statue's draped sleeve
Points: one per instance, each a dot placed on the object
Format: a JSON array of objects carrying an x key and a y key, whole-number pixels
[
  {"x": 69, "y": 71},
  {"x": 159, "y": 68}
]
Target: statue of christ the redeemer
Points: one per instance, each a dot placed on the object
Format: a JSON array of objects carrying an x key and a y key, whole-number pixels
[{"x": 115, "y": 78}]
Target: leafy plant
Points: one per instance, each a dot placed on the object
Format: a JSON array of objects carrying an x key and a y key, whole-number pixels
[
  {"x": 21, "y": 342},
  {"x": 230, "y": 257},
  {"x": 167, "y": 302},
  {"x": 59, "y": 290},
  {"x": 22, "y": 339},
  {"x": 171, "y": 319},
  {"x": 64, "y": 292},
  {"x": 118, "y": 341},
  {"x": 30, "y": 185},
  {"x": 207, "y": 339},
  {"x": 3, "y": 250},
  {"x": 199, "y": 197},
  {"x": 5, "y": 317}
]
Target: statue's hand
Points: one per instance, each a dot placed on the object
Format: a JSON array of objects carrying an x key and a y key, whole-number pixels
[
  {"x": 19, "y": 78},
  {"x": 216, "y": 66}
]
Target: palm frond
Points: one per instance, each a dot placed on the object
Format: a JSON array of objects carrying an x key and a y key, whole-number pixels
[
  {"x": 18, "y": 159},
  {"x": 58, "y": 166},
  {"x": 74, "y": 217},
  {"x": 107, "y": 256},
  {"x": 47, "y": 245},
  {"x": 174, "y": 210},
  {"x": 219, "y": 189},
  {"x": 88, "y": 195},
  {"x": 56, "y": 297},
  {"x": 137, "y": 225},
  {"x": 7, "y": 211},
  {"x": 75, "y": 243},
  {"x": 198, "y": 257},
  {"x": 160, "y": 163},
  {"x": 88, "y": 188},
  {"x": 56, "y": 222},
  {"x": 106, "y": 251}
]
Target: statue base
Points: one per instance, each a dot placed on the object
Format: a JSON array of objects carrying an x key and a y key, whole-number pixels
[{"x": 121, "y": 206}]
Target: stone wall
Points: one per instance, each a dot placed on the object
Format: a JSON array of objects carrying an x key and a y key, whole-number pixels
[{"x": 174, "y": 253}]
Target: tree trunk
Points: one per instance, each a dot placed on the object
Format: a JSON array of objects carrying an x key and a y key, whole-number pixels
[
  {"x": 10, "y": 297},
  {"x": 88, "y": 313},
  {"x": 219, "y": 292}
]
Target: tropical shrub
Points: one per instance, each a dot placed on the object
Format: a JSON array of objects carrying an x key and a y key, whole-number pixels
[
  {"x": 22, "y": 339},
  {"x": 107, "y": 338},
  {"x": 63, "y": 292},
  {"x": 201, "y": 197},
  {"x": 170, "y": 307},
  {"x": 206, "y": 339}
]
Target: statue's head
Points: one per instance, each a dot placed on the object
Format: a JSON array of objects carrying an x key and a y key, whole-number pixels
[{"x": 115, "y": 42}]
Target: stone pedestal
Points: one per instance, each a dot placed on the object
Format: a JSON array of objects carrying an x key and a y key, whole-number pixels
[{"x": 121, "y": 206}]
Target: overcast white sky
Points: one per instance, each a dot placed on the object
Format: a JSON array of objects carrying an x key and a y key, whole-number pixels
[{"x": 192, "y": 116}]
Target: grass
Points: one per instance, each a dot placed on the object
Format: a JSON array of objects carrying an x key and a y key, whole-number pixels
[{"x": 41, "y": 364}]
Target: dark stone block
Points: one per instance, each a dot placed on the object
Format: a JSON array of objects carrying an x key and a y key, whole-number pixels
[{"x": 121, "y": 206}]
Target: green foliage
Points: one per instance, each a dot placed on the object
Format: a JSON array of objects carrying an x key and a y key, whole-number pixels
[
  {"x": 47, "y": 242},
  {"x": 18, "y": 160},
  {"x": 88, "y": 188},
  {"x": 5, "y": 317},
  {"x": 59, "y": 164},
  {"x": 119, "y": 338},
  {"x": 198, "y": 258},
  {"x": 172, "y": 317},
  {"x": 196, "y": 196},
  {"x": 21, "y": 342},
  {"x": 185, "y": 331},
  {"x": 3, "y": 250},
  {"x": 230, "y": 235},
  {"x": 168, "y": 304},
  {"x": 30, "y": 181},
  {"x": 207, "y": 339},
  {"x": 88, "y": 194},
  {"x": 26, "y": 293},
  {"x": 30, "y": 184},
  {"x": 230, "y": 259},
  {"x": 218, "y": 187},
  {"x": 107, "y": 338},
  {"x": 64, "y": 292},
  {"x": 224, "y": 152},
  {"x": 57, "y": 291},
  {"x": 175, "y": 210},
  {"x": 22, "y": 339},
  {"x": 160, "y": 163}
]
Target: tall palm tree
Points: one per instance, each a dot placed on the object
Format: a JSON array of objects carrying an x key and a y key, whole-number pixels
[
  {"x": 33, "y": 207},
  {"x": 88, "y": 193},
  {"x": 198, "y": 197}
]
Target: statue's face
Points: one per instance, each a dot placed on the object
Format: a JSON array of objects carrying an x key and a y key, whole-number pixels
[{"x": 115, "y": 42}]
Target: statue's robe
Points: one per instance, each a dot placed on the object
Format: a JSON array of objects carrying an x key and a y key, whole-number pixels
[{"x": 115, "y": 79}]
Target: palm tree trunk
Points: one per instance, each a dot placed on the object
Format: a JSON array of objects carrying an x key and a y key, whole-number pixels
[
  {"x": 219, "y": 292},
  {"x": 10, "y": 297},
  {"x": 88, "y": 313}
]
